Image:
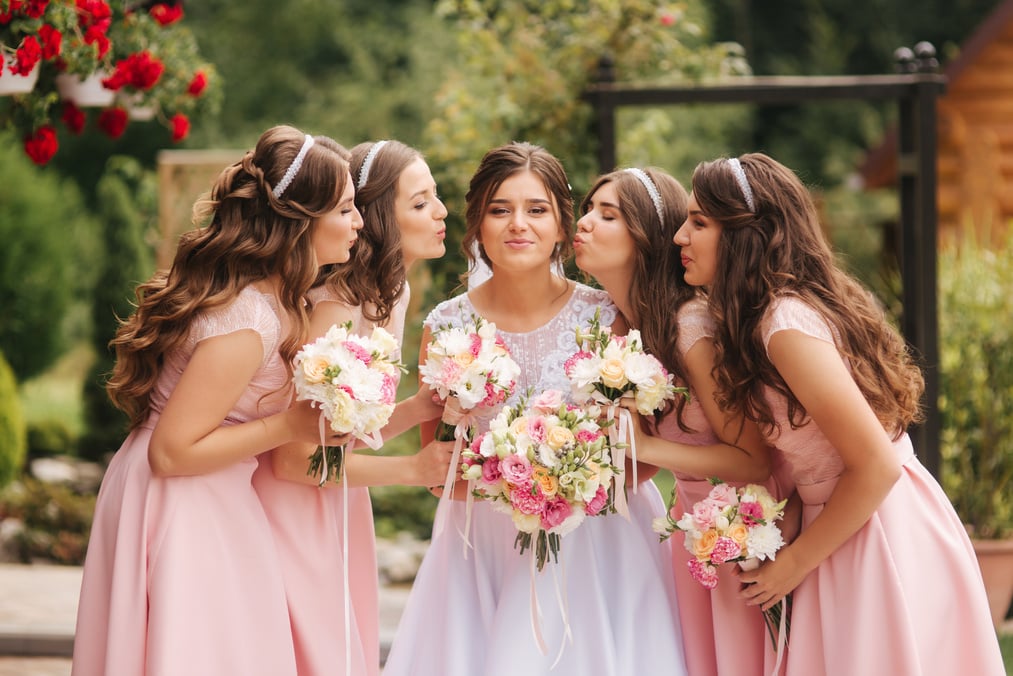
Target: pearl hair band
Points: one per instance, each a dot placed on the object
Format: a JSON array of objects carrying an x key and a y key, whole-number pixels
[
  {"x": 652, "y": 190},
  {"x": 740, "y": 178},
  {"x": 293, "y": 168},
  {"x": 367, "y": 163}
]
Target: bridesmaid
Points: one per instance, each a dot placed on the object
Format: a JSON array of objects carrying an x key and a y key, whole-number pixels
[
  {"x": 471, "y": 612},
  {"x": 623, "y": 240},
  {"x": 403, "y": 223},
  {"x": 182, "y": 575},
  {"x": 883, "y": 575}
]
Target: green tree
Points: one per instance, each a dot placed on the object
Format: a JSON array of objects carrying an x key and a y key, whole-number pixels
[
  {"x": 46, "y": 262},
  {"x": 13, "y": 444},
  {"x": 127, "y": 198},
  {"x": 520, "y": 71}
]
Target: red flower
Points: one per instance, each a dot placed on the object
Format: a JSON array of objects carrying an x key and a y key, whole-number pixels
[
  {"x": 28, "y": 54},
  {"x": 166, "y": 14},
  {"x": 12, "y": 8},
  {"x": 36, "y": 8},
  {"x": 667, "y": 19},
  {"x": 73, "y": 117},
  {"x": 113, "y": 121},
  {"x": 94, "y": 13},
  {"x": 180, "y": 127},
  {"x": 42, "y": 145},
  {"x": 140, "y": 70},
  {"x": 197, "y": 84},
  {"x": 52, "y": 42},
  {"x": 96, "y": 35}
]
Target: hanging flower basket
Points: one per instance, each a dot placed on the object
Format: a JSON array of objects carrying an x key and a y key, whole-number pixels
[
  {"x": 13, "y": 83},
  {"x": 137, "y": 109},
  {"x": 85, "y": 92}
]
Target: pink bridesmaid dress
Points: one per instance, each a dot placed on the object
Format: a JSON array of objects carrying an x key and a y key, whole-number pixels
[
  {"x": 182, "y": 575},
  {"x": 904, "y": 594},
  {"x": 722, "y": 635},
  {"x": 307, "y": 523}
]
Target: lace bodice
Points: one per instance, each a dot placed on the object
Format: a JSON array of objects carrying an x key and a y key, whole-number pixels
[
  {"x": 251, "y": 309},
  {"x": 539, "y": 353}
]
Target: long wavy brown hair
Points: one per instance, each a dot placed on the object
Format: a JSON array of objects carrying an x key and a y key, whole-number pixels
[
  {"x": 375, "y": 276},
  {"x": 498, "y": 165},
  {"x": 779, "y": 249},
  {"x": 657, "y": 290},
  {"x": 247, "y": 235}
]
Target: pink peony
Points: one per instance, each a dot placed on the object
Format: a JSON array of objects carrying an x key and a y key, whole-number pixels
[
  {"x": 595, "y": 504},
  {"x": 556, "y": 512},
  {"x": 516, "y": 470},
  {"x": 490, "y": 471}
]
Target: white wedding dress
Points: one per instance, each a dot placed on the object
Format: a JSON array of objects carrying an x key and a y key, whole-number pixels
[{"x": 471, "y": 615}]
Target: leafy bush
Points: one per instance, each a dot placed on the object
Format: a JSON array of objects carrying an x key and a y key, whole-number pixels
[
  {"x": 976, "y": 384},
  {"x": 50, "y": 437},
  {"x": 56, "y": 518},
  {"x": 12, "y": 425},
  {"x": 47, "y": 262},
  {"x": 127, "y": 198}
]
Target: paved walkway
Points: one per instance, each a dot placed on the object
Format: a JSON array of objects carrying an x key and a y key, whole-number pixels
[{"x": 38, "y": 608}]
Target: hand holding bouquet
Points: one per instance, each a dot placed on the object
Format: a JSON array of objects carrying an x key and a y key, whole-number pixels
[
  {"x": 548, "y": 465},
  {"x": 353, "y": 379},
  {"x": 731, "y": 524}
]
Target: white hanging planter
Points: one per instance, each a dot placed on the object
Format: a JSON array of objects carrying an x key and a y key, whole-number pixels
[
  {"x": 87, "y": 92},
  {"x": 136, "y": 110},
  {"x": 12, "y": 83}
]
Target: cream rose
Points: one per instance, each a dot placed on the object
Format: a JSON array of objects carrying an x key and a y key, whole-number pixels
[
  {"x": 704, "y": 545},
  {"x": 313, "y": 369},
  {"x": 559, "y": 437},
  {"x": 612, "y": 373}
]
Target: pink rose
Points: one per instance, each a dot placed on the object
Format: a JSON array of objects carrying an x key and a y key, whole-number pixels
[
  {"x": 491, "y": 473},
  {"x": 528, "y": 500},
  {"x": 704, "y": 514},
  {"x": 724, "y": 550},
  {"x": 556, "y": 512},
  {"x": 723, "y": 495},
  {"x": 595, "y": 504},
  {"x": 548, "y": 401},
  {"x": 704, "y": 573},
  {"x": 516, "y": 470}
]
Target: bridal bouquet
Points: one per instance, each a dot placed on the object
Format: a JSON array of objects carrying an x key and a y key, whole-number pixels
[
  {"x": 548, "y": 465},
  {"x": 731, "y": 525},
  {"x": 353, "y": 379},
  {"x": 472, "y": 364}
]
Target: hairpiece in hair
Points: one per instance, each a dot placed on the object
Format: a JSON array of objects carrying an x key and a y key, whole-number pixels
[
  {"x": 740, "y": 178},
  {"x": 293, "y": 168},
  {"x": 652, "y": 190},
  {"x": 367, "y": 163}
]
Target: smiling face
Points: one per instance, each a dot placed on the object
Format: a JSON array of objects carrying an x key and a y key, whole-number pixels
[
  {"x": 603, "y": 244},
  {"x": 420, "y": 214},
  {"x": 520, "y": 228},
  {"x": 698, "y": 240},
  {"x": 335, "y": 232}
]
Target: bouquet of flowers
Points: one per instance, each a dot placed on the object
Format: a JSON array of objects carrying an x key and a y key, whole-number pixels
[
  {"x": 607, "y": 367},
  {"x": 731, "y": 524},
  {"x": 472, "y": 364},
  {"x": 353, "y": 379},
  {"x": 548, "y": 465}
]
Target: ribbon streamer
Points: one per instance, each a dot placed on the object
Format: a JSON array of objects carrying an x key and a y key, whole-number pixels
[
  {"x": 343, "y": 487},
  {"x": 460, "y": 432},
  {"x": 561, "y": 602},
  {"x": 782, "y": 636}
]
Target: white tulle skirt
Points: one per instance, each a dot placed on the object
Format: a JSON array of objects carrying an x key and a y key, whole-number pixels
[{"x": 472, "y": 615}]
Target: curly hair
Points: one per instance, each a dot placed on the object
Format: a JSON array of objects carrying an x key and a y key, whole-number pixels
[
  {"x": 375, "y": 276},
  {"x": 498, "y": 165},
  {"x": 247, "y": 235},
  {"x": 778, "y": 249},
  {"x": 657, "y": 289}
]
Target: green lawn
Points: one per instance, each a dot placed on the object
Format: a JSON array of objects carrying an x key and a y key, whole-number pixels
[{"x": 56, "y": 394}]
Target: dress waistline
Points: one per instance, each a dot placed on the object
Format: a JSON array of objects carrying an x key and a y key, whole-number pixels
[{"x": 818, "y": 493}]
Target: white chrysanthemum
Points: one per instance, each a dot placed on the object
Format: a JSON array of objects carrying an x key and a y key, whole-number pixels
[
  {"x": 585, "y": 372},
  {"x": 526, "y": 523},
  {"x": 571, "y": 522},
  {"x": 383, "y": 341},
  {"x": 762, "y": 542}
]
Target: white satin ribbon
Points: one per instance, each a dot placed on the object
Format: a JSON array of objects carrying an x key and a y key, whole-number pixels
[
  {"x": 460, "y": 433},
  {"x": 561, "y": 602}
]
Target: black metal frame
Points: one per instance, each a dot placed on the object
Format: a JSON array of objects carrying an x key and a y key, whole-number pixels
[{"x": 916, "y": 94}]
